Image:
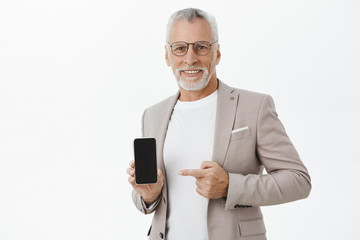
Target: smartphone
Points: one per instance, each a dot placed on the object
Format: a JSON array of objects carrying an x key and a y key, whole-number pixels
[{"x": 145, "y": 161}]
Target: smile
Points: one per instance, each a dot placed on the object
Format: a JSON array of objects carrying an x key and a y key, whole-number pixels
[{"x": 192, "y": 71}]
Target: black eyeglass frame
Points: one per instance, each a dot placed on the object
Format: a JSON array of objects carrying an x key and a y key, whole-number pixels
[{"x": 187, "y": 47}]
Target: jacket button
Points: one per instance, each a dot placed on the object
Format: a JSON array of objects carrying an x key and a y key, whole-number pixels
[{"x": 161, "y": 235}]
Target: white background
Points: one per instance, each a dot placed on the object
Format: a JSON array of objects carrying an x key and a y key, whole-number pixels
[{"x": 76, "y": 75}]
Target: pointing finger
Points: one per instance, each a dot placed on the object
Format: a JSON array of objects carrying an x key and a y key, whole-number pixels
[{"x": 197, "y": 173}]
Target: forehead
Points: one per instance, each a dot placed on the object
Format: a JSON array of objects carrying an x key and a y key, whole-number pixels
[{"x": 196, "y": 30}]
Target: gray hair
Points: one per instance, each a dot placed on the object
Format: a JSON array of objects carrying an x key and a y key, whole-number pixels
[{"x": 190, "y": 14}]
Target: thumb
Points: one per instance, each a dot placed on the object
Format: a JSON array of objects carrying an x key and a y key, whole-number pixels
[
  {"x": 208, "y": 164},
  {"x": 159, "y": 173}
]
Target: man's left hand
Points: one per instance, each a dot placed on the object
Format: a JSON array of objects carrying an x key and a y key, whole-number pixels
[{"x": 212, "y": 180}]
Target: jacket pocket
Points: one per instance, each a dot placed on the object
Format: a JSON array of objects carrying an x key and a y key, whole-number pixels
[
  {"x": 240, "y": 133},
  {"x": 252, "y": 227}
]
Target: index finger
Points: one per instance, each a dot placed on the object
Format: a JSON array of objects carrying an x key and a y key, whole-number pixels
[{"x": 197, "y": 173}]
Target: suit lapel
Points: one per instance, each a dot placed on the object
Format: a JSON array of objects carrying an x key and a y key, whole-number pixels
[
  {"x": 225, "y": 117},
  {"x": 163, "y": 126}
]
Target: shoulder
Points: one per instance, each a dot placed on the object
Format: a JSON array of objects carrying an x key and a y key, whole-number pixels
[
  {"x": 160, "y": 106},
  {"x": 248, "y": 100},
  {"x": 246, "y": 94},
  {"x": 160, "y": 109}
]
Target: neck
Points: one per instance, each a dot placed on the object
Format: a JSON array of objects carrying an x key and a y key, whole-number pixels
[{"x": 188, "y": 96}]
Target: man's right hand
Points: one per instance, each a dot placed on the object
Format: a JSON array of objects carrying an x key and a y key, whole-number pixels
[{"x": 148, "y": 192}]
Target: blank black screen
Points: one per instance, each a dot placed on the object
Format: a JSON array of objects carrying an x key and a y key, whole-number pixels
[{"x": 145, "y": 160}]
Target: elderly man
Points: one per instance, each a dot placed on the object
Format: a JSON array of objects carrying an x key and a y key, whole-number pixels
[{"x": 213, "y": 142}]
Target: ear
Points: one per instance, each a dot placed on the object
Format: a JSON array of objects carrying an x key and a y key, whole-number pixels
[
  {"x": 167, "y": 56},
  {"x": 218, "y": 54}
]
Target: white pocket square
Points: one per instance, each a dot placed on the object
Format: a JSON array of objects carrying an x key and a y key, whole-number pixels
[{"x": 240, "y": 129}]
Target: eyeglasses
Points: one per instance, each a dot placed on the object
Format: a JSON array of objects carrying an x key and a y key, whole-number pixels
[{"x": 201, "y": 48}]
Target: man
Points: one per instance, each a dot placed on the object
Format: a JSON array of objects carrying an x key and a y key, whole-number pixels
[{"x": 213, "y": 142}]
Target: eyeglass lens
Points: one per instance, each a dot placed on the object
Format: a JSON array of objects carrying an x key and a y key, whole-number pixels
[{"x": 201, "y": 48}]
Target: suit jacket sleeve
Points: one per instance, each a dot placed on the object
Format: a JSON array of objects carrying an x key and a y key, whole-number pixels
[{"x": 287, "y": 179}]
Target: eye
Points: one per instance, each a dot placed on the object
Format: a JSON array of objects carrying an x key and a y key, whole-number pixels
[
  {"x": 202, "y": 46},
  {"x": 180, "y": 48}
]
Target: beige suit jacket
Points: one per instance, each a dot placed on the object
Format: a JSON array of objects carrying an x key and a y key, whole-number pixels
[{"x": 248, "y": 138}]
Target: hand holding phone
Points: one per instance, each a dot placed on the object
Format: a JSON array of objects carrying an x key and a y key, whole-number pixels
[
  {"x": 147, "y": 185},
  {"x": 148, "y": 192}
]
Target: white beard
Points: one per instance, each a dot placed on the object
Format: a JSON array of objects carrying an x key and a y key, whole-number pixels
[{"x": 190, "y": 84}]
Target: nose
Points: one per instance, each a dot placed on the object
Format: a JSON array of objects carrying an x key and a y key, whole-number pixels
[{"x": 191, "y": 57}]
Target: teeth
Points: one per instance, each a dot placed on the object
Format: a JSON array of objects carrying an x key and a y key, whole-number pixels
[{"x": 196, "y": 71}]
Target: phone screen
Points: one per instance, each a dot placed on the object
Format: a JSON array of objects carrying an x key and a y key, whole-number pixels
[{"x": 145, "y": 160}]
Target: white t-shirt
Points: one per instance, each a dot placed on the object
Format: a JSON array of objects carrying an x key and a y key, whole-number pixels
[{"x": 189, "y": 141}]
